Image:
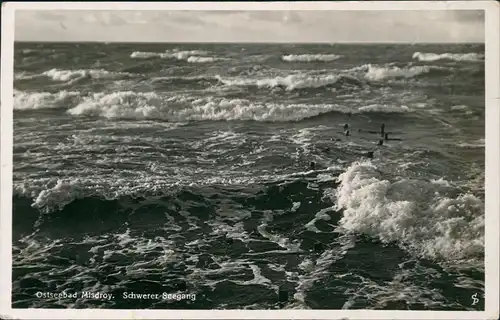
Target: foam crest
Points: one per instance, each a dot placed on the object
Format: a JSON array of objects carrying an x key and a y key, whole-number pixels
[
  {"x": 148, "y": 55},
  {"x": 291, "y": 82},
  {"x": 385, "y": 108},
  {"x": 196, "y": 59},
  {"x": 192, "y": 56},
  {"x": 134, "y": 105},
  {"x": 380, "y": 73},
  {"x": 150, "y": 105},
  {"x": 412, "y": 213},
  {"x": 422, "y": 56},
  {"x": 23, "y": 76},
  {"x": 239, "y": 109},
  {"x": 480, "y": 143},
  {"x": 42, "y": 100},
  {"x": 310, "y": 57},
  {"x": 64, "y": 192},
  {"x": 67, "y": 75},
  {"x": 124, "y": 104}
]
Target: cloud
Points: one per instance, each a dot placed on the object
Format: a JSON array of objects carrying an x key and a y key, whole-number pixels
[{"x": 255, "y": 26}]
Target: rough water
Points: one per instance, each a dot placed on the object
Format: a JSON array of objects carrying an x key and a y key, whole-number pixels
[{"x": 185, "y": 169}]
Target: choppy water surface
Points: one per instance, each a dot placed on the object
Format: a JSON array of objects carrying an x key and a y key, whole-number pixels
[{"x": 154, "y": 168}]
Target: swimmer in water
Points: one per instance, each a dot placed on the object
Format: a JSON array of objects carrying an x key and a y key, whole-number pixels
[
  {"x": 346, "y": 130},
  {"x": 381, "y": 132},
  {"x": 386, "y": 137},
  {"x": 369, "y": 154},
  {"x": 312, "y": 165}
]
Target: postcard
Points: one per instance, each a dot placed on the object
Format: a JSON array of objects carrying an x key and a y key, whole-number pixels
[{"x": 250, "y": 160}]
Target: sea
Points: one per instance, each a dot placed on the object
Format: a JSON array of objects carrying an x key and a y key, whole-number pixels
[{"x": 248, "y": 176}]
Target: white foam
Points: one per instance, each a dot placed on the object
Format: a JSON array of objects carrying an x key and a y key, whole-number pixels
[
  {"x": 295, "y": 206},
  {"x": 385, "y": 108},
  {"x": 64, "y": 192},
  {"x": 67, "y": 75},
  {"x": 480, "y": 143},
  {"x": 320, "y": 215},
  {"x": 23, "y": 76},
  {"x": 135, "y": 105},
  {"x": 42, "y": 100},
  {"x": 283, "y": 242},
  {"x": 459, "y": 107},
  {"x": 124, "y": 104},
  {"x": 151, "y": 105},
  {"x": 194, "y": 59},
  {"x": 377, "y": 73},
  {"x": 422, "y": 56},
  {"x": 412, "y": 213},
  {"x": 148, "y": 55},
  {"x": 194, "y": 56},
  {"x": 310, "y": 57},
  {"x": 290, "y": 82}
]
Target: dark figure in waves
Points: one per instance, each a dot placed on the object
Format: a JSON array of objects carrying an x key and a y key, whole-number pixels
[
  {"x": 346, "y": 130},
  {"x": 312, "y": 165},
  {"x": 384, "y": 134},
  {"x": 386, "y": 137},
  {"x": 381, "y": 132},
  {"x": 369, "y": 154}
]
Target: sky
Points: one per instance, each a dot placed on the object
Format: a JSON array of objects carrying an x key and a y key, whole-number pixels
[{"x": 250, "y": 26}]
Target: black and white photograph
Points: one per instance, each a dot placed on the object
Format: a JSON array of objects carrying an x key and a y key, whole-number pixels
[{"x": 209, "y": 157}]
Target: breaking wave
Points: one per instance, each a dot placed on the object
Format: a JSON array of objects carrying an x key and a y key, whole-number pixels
[
  {"x": 294, "y": 82},
  {"x": 43, "y": 100},
  {"x": 195, "y": 59},
  {"x": 62, "y": 75},
  {"x": 179, "y": 108},
  {"x": 377, "y": 73},
  {"x": 133, "y": 105},
  {"x": 67, "y": 75},
  {"x": 193, "y": 56},
  {"x": 421, "y": 56},
  {"x": 148, "y": 55},
  {"x": 422, "y": 217},
  {"x": 310, "y": 57}
]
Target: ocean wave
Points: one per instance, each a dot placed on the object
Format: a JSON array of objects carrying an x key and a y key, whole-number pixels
[
  {"x": 294, "y": 82},
  {"x": 416, "y": 214},
  {"x": 377, "y": 73},
  {"x": 43, "y": 100},
  {"x": 192, "y": 56},
  {"x": 353, "y": 76},
  {"x": 134, "y": 105},
  {"x": 480, "y": 143},
  {"x": 385, "y": 108},
  {"x": 62, "y": 75},
  {"x": 24, "y": 76},
  {"x": 201, "y": 59},
  {"x": 148, "y": 55},
  {"x": 181, "y": 108},
  {"x": 69, "y": 75},
  {"x": 123, "y": 104},
  {"x": 53, "y": 194},
  {"x": 429, "y": 57},
  {"x": 460, "y": 107},
  {"x": 310, "y": 57}
]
